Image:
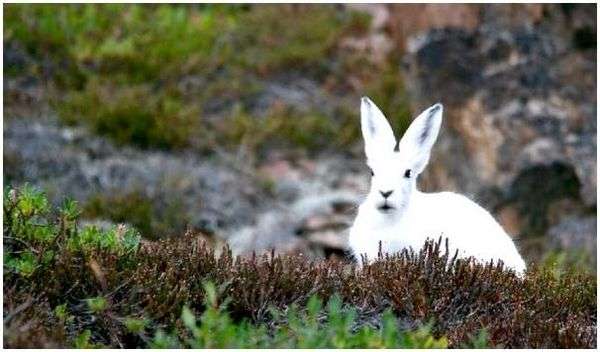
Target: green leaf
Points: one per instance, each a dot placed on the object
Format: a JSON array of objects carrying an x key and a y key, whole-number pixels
[
  {"x": 188, "y": 318},
  {"x": 135, "y": 325},
  {"x": 83, "y": 340},
  {"x": 97, "y": 304}
]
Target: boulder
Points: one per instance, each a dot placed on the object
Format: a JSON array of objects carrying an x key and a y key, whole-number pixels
[{"x": 519, "y": 130}]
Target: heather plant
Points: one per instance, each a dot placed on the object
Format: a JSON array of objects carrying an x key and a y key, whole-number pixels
[{"x": 85, "y": 287}]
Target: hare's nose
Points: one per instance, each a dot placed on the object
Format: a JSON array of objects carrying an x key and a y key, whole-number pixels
[{"x": 386, "y": 194}]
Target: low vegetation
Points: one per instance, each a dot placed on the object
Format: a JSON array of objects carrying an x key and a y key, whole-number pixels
[
  {"x": 66, "y": 286},
  {"x": 181, "y": 76}
]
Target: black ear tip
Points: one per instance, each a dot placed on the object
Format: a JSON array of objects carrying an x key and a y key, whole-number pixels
[
  {"x": 436, "y": 107},
  {"x": 365, "y": 100}
]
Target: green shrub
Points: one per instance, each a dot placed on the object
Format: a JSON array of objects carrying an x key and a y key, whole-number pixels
[
  {"x": 35, "y": 234},
  {"x": 83, "y": 340},
  {"x": 131, "y": 114}
]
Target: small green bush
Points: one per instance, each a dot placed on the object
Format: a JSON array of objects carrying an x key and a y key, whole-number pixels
[{"x": 36, "y": 235}]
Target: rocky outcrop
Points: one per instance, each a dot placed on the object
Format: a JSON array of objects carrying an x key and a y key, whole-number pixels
[
  {"x": 71, "y": 162},
  {"x": 519, "y": 131}
]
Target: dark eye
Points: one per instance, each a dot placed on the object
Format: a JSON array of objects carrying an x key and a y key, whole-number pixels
[
  {"x": 371, "y": 171},
  {"x": 407, "y": 173}
]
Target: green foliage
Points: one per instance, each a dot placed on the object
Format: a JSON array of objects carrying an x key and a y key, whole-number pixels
[
  {"x": 560, "y": 262},
  {"x": 83, "y": 340},
  {"x": 147, "y": 75},
  {"x": 61, "y": 312},
  {"x": 164, "y": 340},
  {"x": 27, "y": 216},
  {"x": 479, "y": 340},
  {"x": 132, "y": 114},
  {"x": 389, "y": 93},
  {"x": 134, "y": 325},
  {"x": 34, "y": 234},
  {"x": 138, "y": 210},
  {"x": 286, "y": 127},
  {"x": 307, "y": 329},
  {"x": 69, "y": 210},
  {"x": 32, "y": 202},
  {"x": 117, "y": 239},
  {"x": 24, "y": 264},
  {"x": 97, "y": 304}
]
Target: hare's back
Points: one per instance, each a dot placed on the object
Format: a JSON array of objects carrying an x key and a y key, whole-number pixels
[
  {"x": 465, "y": 222},
  {"x": 474, "y": 231}
]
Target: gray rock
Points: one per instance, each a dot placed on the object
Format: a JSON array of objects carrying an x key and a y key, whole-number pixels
[
  {"x": 209, "y": 195},
  {"x": 520, "y": 112},
  {"x": 575, "y": 233}
]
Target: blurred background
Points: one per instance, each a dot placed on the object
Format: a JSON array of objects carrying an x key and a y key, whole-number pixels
[{"x": 241, "y": 122}]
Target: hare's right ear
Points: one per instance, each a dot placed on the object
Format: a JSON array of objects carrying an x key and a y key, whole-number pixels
[
  {"x": 376, "y": 130},
  {"x": 418, "y": 139}
]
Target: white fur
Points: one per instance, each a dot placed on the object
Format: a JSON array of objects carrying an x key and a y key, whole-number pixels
[{"x": 417, "y": 216}]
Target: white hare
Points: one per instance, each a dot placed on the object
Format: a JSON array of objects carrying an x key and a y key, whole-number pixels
[{"x": 399, "y": 216}]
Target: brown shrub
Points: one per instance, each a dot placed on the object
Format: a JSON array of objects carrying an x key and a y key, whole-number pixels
[{"x": 541, "y": 310}]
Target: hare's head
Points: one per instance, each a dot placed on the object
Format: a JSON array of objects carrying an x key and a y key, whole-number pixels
[{"x": 395, "y": 166}]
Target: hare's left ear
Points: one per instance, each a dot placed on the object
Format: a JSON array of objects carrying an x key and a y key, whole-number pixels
[
  {"x": 377, "y": 132},
  {"x": 419, "y": 137}
]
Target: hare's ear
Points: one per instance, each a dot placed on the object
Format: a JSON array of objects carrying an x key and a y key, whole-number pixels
[
  {"x": 376, "y": 130},
  {"x": 419, "y": 137}
]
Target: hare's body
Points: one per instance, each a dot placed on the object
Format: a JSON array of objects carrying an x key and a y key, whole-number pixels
[
  {"x": 471, "y": 229},
  {"x": 398, "y": 216}
]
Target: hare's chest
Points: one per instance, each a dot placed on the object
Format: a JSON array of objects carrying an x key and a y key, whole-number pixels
[{"x": 370, "y": 238}]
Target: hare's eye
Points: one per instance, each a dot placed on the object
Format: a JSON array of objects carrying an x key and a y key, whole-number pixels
[
  {"x": 371, "y": 171},
  {"x": 407, "y": 173}
]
